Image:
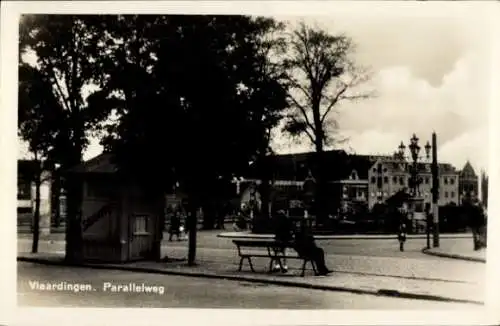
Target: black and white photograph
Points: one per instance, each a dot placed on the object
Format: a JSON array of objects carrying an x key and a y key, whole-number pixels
[{"x": 335, "y": 160}]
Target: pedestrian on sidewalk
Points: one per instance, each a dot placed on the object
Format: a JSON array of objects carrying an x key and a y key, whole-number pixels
[
  {"x": 402, "y": 235},
  {"x": 283, "y": 233},
  {"x": 175, "y": 226},
  {"x": 305, "y": 246}
]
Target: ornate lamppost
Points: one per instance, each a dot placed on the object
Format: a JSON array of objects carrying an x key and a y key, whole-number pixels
[{"x": 415, "y": 179}]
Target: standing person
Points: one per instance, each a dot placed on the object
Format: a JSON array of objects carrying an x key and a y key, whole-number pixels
[
  {"x": 175, "y": 225},
  {"x": 402, "y": 234},
  {"x": 305, "y": 246},
  {"x": 283, "y": 232}
]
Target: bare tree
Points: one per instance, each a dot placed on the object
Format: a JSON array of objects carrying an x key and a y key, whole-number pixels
[{"x": 322, "y": 74}]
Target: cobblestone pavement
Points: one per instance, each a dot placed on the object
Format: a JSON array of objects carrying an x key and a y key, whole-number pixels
[
  {"x": 183, "y": 292},
  {"x": 365, "y": 269}
]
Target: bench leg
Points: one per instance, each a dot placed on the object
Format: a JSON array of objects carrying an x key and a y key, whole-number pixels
[
  {"x": 241, "y": 264},
  {"x": 315, "y": 270},
  {"x": 250, "y": 263},
  {"x": 304, "y": 265},
  {"x": 303, "y": 268}
]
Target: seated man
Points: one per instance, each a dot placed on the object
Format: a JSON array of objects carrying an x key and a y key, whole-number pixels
[
  {"x": 283, "y": 232},
  {"x": 306, "y": 247}
]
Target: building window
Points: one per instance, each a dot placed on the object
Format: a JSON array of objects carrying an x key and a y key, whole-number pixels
[
  {"x": 141, "y": 224},
  {"x": 452, "y": 181},
  {"x": 379, "y": 168},
  {"x": 446, "y": 194},
  {"x": 379, "y": 182},
  {"x": 385, "y": 170},
  {"x": 374, "y": 170},
  {"x": 394, "y": 179},
  {"x": 401, "y": 181},
  {"x": 445, "y": 181},
  {"x": 386, "y": 180},
  {"x": 427, "y": 180},
  {"x": 373, "y": 180},
  {"x": 452, "y": 194}
]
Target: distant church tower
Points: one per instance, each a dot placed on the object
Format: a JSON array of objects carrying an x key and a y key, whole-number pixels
[{"x": 468, "y": 183}]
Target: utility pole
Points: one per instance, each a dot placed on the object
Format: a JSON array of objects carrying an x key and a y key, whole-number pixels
[{"x": 435, "y": 191}]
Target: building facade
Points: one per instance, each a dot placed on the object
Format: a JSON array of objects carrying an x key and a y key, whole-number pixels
[
  {"x": 387, "y": 176},
  {"x": 367, "y": 180},
  {"x": 347, "y": 179}
]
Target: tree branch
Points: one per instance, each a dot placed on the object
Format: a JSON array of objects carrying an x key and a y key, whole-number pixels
[
  {"x": 297, "y": 85},
  {"x": 333, "y": 102},
  {"x": 63, "y": 98},
  {"x": 304, "y": 113},
  {"x": 307, "y": 132}
]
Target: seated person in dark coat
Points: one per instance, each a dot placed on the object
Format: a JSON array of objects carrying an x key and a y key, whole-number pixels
[
  {"x": 306, "y": 247},
  {"x": 283, "y": 232}
]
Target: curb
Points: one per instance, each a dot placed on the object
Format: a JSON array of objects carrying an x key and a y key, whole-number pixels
[
  {"x": 452, "y": 256},
  {"x": 380, "y": 292}
]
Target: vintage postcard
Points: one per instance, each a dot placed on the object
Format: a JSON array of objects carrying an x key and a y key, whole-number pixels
[{"x": 251, "y": 163}]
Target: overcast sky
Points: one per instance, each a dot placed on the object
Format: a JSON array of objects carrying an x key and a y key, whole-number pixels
[{"x": 430, "y": 71}]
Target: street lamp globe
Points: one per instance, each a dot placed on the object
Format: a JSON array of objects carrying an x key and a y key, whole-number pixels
[
  {"x": 428, "y": 150},
  {"x": 402, "y": 148},
  {"x": 414, "y": 148}
]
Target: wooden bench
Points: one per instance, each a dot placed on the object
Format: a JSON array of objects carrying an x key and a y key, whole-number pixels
[{"x": 274, "y": 251}]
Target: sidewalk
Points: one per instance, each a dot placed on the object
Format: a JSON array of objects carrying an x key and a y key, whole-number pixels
[
  {"x": 356, "y": 274},
  {"x": 250, "y": 235},
  {"x": 463, "y": 251}
]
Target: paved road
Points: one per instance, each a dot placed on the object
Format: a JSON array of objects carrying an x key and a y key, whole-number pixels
[
  {"x": 184, "y": 292},
  {"x": 209, "y": 239}
]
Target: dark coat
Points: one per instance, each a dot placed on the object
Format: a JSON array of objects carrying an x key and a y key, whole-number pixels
[
  {"x": 283, "y": 229},
  {"x": 304, "y": 242}
]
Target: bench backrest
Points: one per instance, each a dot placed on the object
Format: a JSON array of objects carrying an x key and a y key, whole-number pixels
[{"x": 261, "y": 243}]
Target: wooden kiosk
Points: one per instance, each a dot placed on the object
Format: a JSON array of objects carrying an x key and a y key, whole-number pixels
[{"x": 119, "y": 222}]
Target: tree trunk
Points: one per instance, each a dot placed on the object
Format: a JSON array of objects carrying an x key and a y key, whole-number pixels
[
  {"x": 36, "y": 216},
  {"x": 266, "y": 188},
  {"x": 320, "y": 195},
  {"x": 261, "y": 220},
  {"x": 208, "y": 216},
  {"x": 56, "y": 204},
  {"x": 192, "y": 226},
  {"x": 159, "y": 228},
  {"x": 73, "y": 221},
  {"x": 74, "y": 240}
]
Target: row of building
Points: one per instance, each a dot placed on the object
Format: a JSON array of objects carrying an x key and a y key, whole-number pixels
[
  {"x": 353, "y": 180},
  {"x": 366, "y": 180}
]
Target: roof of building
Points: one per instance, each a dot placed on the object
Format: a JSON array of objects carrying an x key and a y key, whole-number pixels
[
  {"x": 339, "y": 165},
  {"x": 27, "y": 168},
  {"x": 468, "y": 170},
  {"x": 99, "y": 164}
]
